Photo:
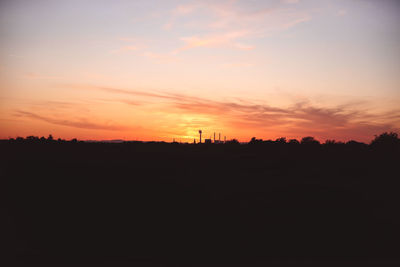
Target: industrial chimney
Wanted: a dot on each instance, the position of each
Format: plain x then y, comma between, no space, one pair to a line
200,132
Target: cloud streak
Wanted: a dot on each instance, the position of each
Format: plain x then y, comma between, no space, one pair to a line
37,76
224,24
82,123
226,39
301,117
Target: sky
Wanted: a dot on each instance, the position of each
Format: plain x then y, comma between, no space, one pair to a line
162,70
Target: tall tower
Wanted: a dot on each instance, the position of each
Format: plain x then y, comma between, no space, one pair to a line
214,137
200,132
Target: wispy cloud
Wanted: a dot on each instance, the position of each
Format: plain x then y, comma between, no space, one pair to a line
296,21
226,39
302,117
237,65
78,123
290,1
37,76
185,9
228,24
59,106
129,44
161,57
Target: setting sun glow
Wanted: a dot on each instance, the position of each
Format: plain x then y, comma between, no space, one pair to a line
162,70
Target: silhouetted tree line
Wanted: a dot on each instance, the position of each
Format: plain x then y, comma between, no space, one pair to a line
36,139
384,140
172,204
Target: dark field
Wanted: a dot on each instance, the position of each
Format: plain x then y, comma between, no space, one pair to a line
157,204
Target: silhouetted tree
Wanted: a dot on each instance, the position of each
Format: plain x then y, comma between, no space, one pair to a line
50,138
32,138
353,143
330,142
293,142
281,140
386,140
309,140
233,142
255,141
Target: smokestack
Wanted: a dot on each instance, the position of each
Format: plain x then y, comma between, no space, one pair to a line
200,135
219,137
224,139
214,137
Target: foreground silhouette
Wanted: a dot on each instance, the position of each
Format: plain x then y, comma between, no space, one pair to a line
153,204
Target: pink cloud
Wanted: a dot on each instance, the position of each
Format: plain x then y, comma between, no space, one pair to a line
227,39
227,24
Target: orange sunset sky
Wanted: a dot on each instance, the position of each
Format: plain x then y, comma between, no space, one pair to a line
158,70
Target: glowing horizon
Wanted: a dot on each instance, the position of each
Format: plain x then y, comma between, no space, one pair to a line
162,70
